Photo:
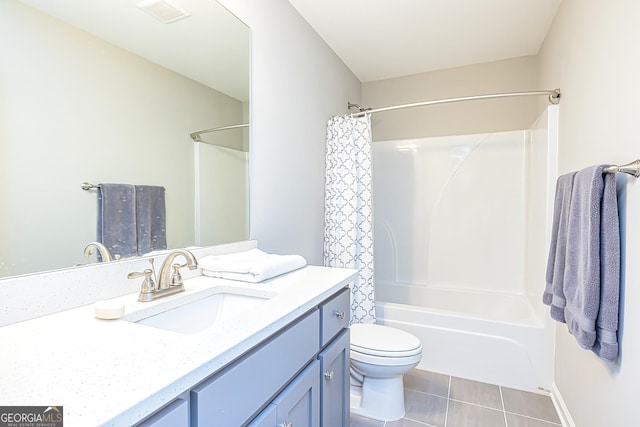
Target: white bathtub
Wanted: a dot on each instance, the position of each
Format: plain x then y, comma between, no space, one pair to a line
461,231
493,338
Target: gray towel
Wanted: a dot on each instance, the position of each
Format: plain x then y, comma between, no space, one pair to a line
150,218
585,276
117,219
554,290
606,345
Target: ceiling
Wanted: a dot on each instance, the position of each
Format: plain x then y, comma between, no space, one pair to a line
211,46
381,39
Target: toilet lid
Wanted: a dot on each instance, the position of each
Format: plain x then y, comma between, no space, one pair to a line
382,340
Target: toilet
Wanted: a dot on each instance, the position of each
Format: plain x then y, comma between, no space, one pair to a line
380,356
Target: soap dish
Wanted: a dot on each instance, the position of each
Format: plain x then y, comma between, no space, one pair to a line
109,309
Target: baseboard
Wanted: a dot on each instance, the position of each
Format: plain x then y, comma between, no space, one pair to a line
561,407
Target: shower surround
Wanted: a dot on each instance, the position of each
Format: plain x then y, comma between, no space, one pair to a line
461,230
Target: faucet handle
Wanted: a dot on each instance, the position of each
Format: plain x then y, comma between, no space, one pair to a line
148,285
176,277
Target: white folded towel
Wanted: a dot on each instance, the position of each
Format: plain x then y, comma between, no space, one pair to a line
250,266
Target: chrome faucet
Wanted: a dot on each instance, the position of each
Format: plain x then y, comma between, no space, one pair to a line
105,255
168,283
165,278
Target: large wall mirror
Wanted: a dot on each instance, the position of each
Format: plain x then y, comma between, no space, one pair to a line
104,91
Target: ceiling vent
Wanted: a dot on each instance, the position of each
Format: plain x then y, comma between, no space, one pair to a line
162,10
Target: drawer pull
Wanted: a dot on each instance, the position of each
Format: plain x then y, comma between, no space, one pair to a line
340,314
328,375
286,425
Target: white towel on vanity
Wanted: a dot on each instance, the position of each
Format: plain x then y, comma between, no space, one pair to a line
250,266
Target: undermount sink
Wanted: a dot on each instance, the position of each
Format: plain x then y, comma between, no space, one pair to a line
195,316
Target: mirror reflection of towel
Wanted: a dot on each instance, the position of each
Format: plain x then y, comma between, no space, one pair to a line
117,219
131,219
150,218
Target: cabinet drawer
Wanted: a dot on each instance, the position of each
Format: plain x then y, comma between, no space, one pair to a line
334,315
233,396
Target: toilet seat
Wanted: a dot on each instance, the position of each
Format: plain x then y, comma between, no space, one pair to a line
380,356
383,341
384,360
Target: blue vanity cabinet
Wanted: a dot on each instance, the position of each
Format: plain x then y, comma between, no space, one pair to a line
232,397
175,414
334,360
319,396
298,377
267,418
299,404
335,382
334,316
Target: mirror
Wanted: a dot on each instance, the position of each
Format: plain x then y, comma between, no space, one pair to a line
102,91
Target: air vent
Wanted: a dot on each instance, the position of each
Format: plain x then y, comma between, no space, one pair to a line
162,10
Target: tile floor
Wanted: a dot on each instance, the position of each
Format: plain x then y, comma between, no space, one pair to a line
438,400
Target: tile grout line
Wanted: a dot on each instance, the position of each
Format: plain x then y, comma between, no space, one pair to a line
478,405
446,412
504,409
534,418
422,423
450,399
427,393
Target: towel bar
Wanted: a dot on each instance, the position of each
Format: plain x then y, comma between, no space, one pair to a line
632,168
87,186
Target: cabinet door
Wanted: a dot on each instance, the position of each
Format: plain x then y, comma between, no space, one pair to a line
334,383
299,404
266,418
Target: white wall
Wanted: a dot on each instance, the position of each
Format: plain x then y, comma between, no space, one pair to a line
297,83
75,108
591,52
510,75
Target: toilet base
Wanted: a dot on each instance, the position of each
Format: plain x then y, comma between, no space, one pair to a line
379,398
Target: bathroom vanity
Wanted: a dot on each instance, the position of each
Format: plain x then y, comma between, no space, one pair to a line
283,362
305,366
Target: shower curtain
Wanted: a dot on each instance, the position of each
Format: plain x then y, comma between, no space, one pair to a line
348,225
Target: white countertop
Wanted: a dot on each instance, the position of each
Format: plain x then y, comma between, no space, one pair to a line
115,372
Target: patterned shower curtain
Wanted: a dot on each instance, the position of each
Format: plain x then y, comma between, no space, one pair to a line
348,213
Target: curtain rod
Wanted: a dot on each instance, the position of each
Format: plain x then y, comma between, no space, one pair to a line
196,135
554,98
